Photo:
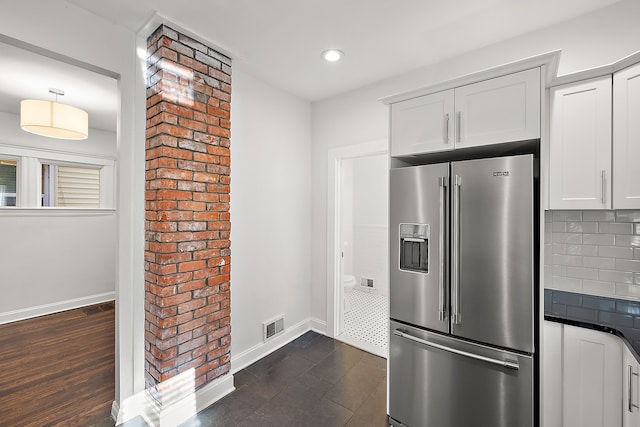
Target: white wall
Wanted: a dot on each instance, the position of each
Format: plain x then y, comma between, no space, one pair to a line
56,260
270,209
588,41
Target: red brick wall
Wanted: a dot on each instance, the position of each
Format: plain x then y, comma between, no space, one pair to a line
187,255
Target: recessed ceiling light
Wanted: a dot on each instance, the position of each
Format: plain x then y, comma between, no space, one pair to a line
332,55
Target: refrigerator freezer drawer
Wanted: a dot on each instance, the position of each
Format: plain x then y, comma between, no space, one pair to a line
436,380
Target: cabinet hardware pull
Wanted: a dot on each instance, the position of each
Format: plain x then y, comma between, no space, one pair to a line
446,128
511,364
458,126
604,187
630,389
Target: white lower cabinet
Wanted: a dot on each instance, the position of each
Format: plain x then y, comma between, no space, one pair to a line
586,379
592,378
631,390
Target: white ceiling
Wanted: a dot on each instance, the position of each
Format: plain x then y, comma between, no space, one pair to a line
280,41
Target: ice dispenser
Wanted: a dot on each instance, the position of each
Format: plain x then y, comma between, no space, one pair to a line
414,247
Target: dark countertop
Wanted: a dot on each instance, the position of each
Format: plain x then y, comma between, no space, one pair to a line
611,315
594,326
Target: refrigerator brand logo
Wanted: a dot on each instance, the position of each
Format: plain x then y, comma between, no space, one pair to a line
501,173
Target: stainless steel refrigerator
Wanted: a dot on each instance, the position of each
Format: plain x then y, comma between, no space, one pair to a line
462,302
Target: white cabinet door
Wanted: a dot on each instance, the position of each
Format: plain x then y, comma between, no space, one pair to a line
503,109
631,390
592,366
626,138
422,125
580,145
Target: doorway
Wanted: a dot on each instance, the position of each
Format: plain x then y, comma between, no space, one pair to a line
359,248
58,212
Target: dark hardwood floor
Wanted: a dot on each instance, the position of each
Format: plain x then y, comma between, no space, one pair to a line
58,370
314,381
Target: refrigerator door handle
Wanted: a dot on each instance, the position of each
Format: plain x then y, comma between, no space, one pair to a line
455,254
510,364
442,307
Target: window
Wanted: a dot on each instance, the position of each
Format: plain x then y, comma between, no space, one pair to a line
70,186
8,181
36,178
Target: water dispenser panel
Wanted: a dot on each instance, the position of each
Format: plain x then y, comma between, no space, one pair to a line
414,247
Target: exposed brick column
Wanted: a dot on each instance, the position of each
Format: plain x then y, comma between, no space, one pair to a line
187,255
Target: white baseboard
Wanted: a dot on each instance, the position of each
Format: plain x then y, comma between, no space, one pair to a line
258,351
155,414
319,326
115,410
56,307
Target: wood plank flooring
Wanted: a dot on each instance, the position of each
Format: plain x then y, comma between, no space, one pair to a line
58,370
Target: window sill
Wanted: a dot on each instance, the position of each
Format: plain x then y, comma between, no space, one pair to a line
54,211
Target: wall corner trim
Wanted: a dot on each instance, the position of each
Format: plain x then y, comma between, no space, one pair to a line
157,19
319,326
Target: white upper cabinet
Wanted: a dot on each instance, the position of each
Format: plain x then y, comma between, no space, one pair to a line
592,369
626,138
499,110
423,124
580,145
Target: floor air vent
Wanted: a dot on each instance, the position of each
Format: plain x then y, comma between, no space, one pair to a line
272,328
98,308
366,282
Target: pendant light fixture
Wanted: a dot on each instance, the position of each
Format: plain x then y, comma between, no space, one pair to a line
52,119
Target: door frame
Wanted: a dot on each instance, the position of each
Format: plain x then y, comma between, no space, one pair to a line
334,179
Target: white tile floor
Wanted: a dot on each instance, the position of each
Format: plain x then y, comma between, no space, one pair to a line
366,321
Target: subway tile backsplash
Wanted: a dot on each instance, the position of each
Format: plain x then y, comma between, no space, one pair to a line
593,252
